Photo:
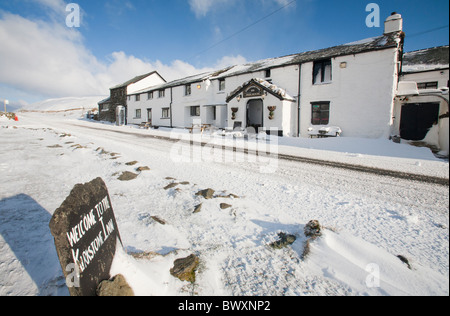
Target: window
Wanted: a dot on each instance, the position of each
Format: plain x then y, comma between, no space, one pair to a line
195,110
322,71
320,113
268,73
221,84
161,93
427,85
150,95
165,113
138,114
187,90
138,97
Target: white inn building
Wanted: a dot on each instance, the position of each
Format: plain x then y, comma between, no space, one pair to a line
351,88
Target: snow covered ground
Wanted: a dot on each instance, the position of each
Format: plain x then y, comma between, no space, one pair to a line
369,220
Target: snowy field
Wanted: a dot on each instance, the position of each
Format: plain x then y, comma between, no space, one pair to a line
369,220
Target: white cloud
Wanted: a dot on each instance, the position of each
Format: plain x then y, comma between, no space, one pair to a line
57,6
38,56
51,60
201,8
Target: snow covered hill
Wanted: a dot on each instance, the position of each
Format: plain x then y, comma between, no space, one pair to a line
65,104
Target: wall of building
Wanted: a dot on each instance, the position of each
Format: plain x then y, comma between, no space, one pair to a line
150,81
441,76
361,94
118,97
439,134
361,98
156,104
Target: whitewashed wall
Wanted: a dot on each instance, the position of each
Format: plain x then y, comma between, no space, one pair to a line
150,81
156,104
361,98
441,76
361,95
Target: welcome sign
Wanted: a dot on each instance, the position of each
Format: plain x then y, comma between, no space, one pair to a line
86,233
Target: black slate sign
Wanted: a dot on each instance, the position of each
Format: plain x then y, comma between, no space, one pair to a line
86,234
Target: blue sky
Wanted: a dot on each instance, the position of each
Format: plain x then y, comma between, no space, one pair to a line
40,57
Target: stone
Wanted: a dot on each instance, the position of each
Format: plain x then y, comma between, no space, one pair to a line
313,229
184,269
224,206
170,186
158,220
118,286
86,236
405,261
132,163
207,194
143,168
285,240
198,208
127,176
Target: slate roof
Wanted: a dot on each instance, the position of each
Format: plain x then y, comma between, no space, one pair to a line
390,40
435,58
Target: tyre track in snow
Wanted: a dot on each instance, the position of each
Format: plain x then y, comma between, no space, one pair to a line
332,164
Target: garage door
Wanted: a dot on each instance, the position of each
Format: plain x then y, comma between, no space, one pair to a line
417,119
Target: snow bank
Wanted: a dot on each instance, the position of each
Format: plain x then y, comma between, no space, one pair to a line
370,270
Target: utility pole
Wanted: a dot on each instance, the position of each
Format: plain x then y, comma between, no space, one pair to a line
5,103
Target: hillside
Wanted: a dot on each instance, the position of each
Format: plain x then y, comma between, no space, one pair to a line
64,104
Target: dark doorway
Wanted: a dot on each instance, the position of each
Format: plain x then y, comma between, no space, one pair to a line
417,119
255,114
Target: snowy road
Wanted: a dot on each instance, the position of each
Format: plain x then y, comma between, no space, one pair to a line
371,218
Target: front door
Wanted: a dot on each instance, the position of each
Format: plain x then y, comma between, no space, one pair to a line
149,116
417,120
255,115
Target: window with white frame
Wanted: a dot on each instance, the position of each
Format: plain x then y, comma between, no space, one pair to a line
320,113
138,113
221,84
165,113
195,110
427,85
187,90
150,95
161,93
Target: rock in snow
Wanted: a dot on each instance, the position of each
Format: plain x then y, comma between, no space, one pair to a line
285,240
184,268
313,229
118,286
207,194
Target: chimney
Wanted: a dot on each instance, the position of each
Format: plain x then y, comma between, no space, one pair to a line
394,23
